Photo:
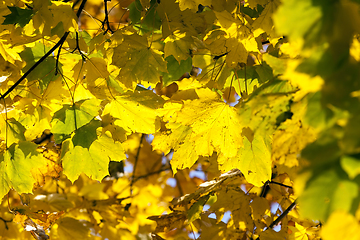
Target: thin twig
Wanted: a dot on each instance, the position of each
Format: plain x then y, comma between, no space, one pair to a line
106,20
277,221
5,222
283,185
151,173
78,47
58,44
135,163
286,212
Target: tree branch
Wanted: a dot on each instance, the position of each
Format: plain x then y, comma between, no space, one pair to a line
58,44
106,20
286,212
276,222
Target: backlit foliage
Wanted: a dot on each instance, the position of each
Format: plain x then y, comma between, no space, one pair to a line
180,119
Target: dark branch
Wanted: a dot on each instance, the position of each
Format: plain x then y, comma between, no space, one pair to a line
78,47
283,185
58,44
276,222
106,20
286,212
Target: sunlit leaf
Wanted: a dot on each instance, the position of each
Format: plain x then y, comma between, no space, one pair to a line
16,164
135,112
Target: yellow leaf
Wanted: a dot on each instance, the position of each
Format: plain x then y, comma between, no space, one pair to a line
68,229
169,222
264,21
341,225
355,49
215,125
238,203
136,112
298,232
253,160
94,192
96,68
305,82
201,127
10,54
178,45
193,4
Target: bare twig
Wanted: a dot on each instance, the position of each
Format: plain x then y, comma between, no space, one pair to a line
106,20
151,173
277,221
286,212
283,185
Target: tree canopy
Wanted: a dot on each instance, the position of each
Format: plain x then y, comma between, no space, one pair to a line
180,119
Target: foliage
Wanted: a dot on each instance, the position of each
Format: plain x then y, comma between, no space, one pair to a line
154,119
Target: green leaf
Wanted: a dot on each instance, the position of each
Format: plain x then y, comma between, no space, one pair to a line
297,19
135,9
78,160
265,72
146,63
45,72
86,135
327,191
15,167
18,16
176,69
151,18
69,118
13,131
320,115
278,65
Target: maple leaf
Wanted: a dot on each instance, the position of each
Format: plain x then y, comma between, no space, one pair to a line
13,131
87,149
46,72
16,164
264,21
238,203
135,112
70,118
254,161
19,16
214,126
58,16
145,65
238,39
178,45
